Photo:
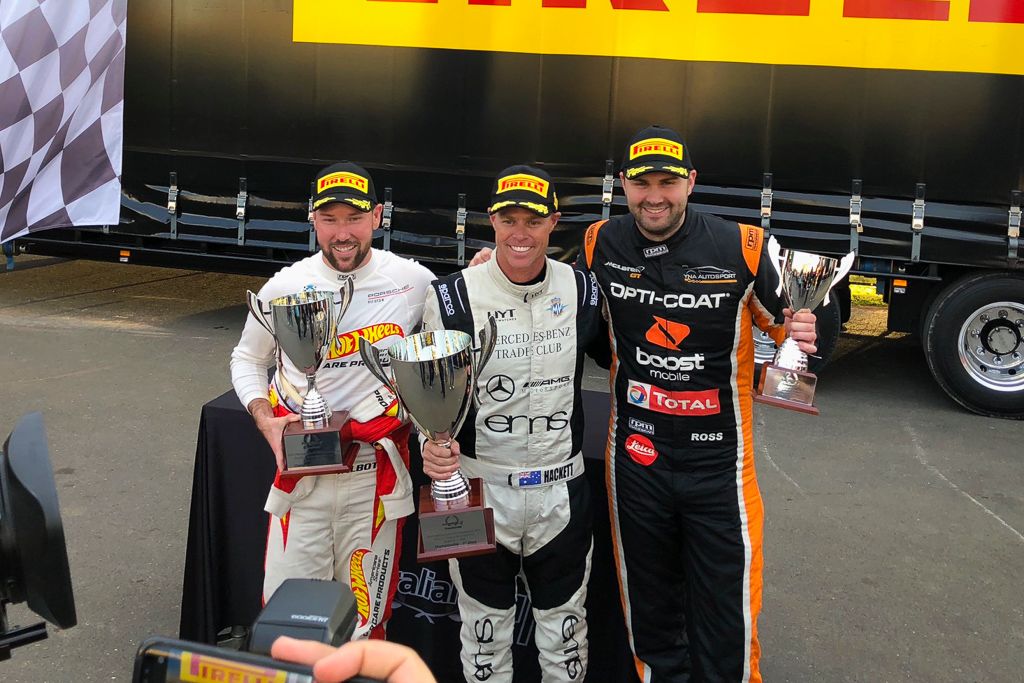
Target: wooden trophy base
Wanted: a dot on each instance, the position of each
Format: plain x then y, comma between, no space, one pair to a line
785,388
317,451
447,532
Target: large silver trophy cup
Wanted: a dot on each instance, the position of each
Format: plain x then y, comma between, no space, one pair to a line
304,325
805,281
434,376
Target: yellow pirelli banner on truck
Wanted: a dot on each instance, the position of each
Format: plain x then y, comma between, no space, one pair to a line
984,36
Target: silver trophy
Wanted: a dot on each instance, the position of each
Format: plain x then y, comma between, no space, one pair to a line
433,374
805,281
304,325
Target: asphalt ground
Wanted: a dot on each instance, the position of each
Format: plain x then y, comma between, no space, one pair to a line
894,526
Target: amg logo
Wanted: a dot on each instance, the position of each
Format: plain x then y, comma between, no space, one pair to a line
547,382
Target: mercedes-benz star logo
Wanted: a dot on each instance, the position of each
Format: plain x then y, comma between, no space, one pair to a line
500,388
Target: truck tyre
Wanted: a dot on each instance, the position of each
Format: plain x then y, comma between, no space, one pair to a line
974,343
830,321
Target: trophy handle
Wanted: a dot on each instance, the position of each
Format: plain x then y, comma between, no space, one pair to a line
776,257
343,298
844,267
369,355
488,337
256,307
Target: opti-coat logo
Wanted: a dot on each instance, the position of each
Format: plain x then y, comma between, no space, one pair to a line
342,179
641,450
358,585
523,181
647,296
196,668
658,146
658,400
857,33
347,343
668,334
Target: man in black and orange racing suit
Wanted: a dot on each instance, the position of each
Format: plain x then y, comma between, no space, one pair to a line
683,290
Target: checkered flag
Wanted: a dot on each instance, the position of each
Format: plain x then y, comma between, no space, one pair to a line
61,105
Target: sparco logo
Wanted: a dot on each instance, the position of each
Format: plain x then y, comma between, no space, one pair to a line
527,424
646,296
658,400
641,450
651,252
641,426
446,299
694,362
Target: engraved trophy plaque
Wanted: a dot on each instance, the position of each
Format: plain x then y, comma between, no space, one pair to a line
804,282
434,376
304,325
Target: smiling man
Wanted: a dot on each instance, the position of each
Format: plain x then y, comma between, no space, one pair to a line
525,438
683,290
339,526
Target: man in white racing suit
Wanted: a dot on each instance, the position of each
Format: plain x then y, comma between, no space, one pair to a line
340,526
525,439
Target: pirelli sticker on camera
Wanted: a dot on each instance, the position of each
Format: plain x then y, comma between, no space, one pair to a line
341,179
932,35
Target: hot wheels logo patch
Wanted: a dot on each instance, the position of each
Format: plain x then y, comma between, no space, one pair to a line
358,585
347,343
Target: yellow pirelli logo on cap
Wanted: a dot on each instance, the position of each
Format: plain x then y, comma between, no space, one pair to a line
659,146
342,179
523,181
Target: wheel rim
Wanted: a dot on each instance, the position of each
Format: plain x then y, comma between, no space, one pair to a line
991,346
764,347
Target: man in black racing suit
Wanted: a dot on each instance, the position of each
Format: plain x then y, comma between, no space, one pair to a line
525,439
683,290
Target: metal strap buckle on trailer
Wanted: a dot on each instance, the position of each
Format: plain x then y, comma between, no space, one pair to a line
917,223
607,186
1013,229
460,229
172,204
385,221
312,227
856,226
766,203
240,202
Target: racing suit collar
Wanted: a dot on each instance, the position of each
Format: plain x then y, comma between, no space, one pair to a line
524,292
359,274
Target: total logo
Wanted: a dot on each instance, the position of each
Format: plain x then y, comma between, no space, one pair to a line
656,399
641,450
647,296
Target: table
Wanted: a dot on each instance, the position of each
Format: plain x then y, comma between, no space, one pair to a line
227,529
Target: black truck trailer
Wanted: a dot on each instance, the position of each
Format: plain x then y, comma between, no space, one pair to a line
891,129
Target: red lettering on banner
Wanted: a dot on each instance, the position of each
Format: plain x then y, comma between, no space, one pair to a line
998,11
797,8
931,10
653,5
501,3
570,4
